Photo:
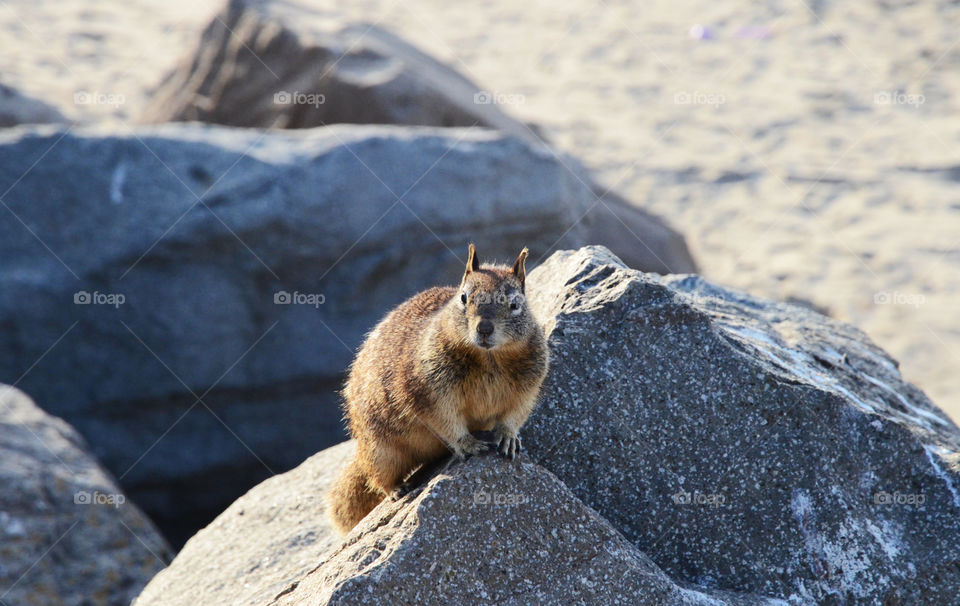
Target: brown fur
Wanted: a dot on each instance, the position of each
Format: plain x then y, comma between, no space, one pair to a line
425,378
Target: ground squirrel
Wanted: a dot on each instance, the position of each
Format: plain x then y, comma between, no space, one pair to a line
444,363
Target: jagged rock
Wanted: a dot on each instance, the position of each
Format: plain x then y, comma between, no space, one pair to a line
68,535
178,295
742,444
487,531
293,65
266,540
931,587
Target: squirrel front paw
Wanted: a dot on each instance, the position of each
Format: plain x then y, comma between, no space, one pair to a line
468,446
508,442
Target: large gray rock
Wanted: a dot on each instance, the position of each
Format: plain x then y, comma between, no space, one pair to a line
266,540
295,65
487,531
743,444
68,535
314,212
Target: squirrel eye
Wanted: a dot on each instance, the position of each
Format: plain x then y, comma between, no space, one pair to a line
514,305
463,298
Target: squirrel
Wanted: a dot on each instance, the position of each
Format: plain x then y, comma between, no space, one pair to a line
446,362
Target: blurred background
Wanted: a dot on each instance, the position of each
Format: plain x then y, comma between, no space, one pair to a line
799,150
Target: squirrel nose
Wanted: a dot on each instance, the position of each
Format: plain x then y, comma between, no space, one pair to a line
485,328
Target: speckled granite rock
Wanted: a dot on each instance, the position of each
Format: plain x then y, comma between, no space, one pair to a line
68,535
269,538
740,443
487,531
491,532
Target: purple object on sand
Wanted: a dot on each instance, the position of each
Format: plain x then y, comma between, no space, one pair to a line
700,32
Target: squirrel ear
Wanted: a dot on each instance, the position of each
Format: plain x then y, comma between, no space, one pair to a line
519,266
473,262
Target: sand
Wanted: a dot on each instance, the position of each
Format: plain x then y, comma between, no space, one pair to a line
806,149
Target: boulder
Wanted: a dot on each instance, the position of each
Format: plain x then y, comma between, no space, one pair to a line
743,444
265,541
68,534
487,531
294,65
207,286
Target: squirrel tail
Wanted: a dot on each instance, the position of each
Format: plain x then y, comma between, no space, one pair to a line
351,498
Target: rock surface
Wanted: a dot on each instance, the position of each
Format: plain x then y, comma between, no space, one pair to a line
68,536
293,65
205,287
267,539
528,541
742,444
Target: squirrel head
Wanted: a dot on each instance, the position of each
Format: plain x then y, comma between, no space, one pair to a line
490,308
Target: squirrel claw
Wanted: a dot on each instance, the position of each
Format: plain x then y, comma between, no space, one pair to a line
468,446
510,446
